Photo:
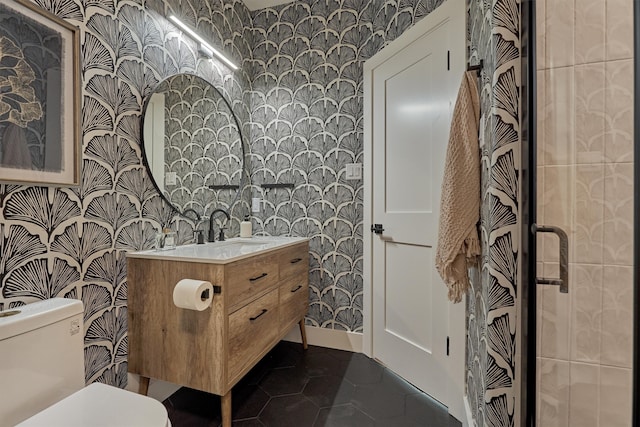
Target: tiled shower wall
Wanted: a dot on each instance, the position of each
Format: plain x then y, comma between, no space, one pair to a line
585,185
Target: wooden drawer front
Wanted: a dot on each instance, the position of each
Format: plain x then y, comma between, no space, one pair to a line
251,331
250,278
294,302
294,262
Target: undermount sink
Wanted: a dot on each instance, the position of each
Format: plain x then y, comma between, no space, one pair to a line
229,247
239,241
220,252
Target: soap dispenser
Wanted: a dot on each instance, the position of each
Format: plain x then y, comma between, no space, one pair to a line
245,227
199,237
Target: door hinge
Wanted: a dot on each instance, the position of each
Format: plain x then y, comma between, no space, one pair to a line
447,346
448,60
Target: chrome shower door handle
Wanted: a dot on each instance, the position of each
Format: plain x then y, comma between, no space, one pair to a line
563,281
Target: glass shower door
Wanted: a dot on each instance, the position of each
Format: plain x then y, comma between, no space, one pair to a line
584,172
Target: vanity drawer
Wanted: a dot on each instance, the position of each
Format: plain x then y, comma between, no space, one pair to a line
252,330
294,302
294,262
250,278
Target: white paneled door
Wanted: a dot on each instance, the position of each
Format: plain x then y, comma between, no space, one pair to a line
412,91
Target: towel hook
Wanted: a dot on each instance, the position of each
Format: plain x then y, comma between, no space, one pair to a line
477,67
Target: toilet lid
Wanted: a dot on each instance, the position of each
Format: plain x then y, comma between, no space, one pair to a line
100,405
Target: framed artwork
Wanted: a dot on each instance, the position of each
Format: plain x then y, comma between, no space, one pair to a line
39,96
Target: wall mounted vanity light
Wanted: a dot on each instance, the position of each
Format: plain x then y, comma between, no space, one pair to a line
204,47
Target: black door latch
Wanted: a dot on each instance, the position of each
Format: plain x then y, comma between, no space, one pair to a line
377,228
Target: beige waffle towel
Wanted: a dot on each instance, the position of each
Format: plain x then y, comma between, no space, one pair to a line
458,241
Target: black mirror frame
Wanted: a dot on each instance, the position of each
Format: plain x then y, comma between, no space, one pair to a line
145,160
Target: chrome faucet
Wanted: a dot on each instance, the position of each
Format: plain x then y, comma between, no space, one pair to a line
212,235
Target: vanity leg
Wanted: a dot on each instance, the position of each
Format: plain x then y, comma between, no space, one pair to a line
226,409
303,334
143,387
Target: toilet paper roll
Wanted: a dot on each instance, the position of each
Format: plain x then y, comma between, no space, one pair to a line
193,294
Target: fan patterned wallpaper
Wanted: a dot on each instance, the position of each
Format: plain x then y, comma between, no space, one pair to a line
71,242
299,102
307,124
494,35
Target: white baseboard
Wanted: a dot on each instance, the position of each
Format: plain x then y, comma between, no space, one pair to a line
331,338
158,390
467,408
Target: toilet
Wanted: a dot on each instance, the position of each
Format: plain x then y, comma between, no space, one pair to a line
42,374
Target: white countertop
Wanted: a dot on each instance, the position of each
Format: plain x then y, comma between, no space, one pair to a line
220,252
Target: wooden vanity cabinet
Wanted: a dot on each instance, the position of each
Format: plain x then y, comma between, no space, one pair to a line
260,299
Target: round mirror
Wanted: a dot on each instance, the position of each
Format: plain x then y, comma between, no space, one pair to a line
193,145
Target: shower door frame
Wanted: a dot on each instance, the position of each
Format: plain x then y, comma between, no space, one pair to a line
528,295
635,401
528,291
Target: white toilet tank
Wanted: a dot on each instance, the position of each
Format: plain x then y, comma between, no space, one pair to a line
41,356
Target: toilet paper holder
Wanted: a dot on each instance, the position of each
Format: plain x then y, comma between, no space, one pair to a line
205,294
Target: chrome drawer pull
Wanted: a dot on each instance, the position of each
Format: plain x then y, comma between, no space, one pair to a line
296,289
253,279
296,260
264,310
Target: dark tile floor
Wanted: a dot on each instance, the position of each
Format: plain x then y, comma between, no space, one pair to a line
291,387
